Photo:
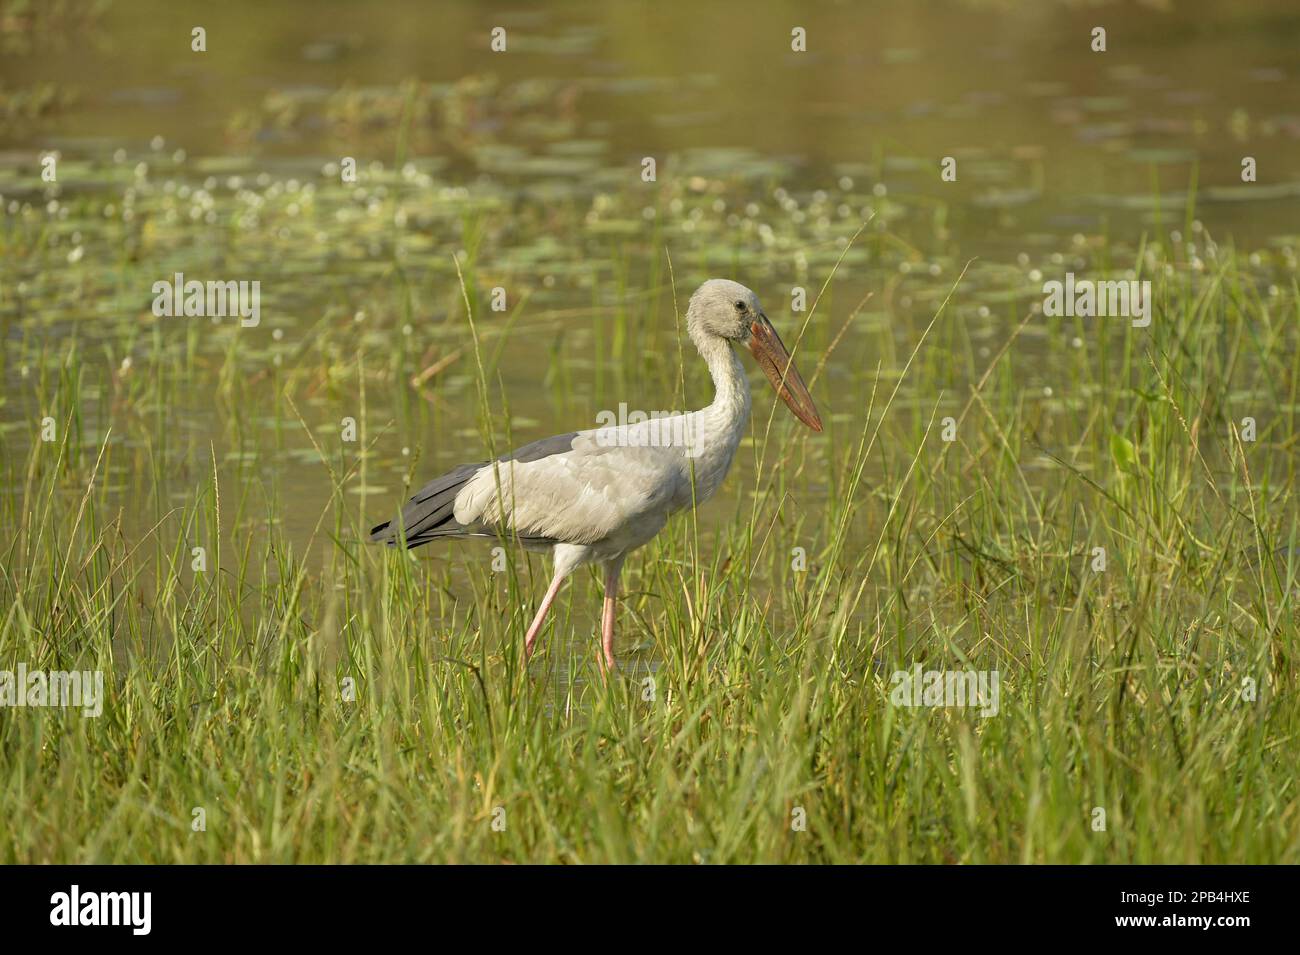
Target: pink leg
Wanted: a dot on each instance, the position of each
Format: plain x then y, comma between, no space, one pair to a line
607,616
536,626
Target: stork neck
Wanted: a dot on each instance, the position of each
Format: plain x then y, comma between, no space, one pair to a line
730,387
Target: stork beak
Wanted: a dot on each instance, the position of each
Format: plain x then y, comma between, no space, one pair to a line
771,354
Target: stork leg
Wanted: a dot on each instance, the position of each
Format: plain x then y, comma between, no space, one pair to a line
536,626
612,569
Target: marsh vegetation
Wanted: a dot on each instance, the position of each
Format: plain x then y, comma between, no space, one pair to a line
1075,503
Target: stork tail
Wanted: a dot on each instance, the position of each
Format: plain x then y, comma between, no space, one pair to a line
428,515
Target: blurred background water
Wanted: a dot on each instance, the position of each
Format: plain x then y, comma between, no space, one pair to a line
225,165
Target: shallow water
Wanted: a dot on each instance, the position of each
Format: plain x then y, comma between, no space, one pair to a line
225,165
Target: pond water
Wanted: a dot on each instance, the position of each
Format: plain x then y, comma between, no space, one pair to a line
528,164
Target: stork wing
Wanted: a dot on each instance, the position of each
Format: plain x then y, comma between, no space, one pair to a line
579,496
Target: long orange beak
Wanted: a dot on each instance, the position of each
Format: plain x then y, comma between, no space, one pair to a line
771,354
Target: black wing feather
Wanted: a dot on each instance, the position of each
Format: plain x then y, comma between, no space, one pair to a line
428,515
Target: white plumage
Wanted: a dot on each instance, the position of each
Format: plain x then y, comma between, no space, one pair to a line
597,495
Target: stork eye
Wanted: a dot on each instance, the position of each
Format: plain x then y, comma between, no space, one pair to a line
740,306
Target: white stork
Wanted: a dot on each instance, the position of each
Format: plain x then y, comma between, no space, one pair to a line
597,495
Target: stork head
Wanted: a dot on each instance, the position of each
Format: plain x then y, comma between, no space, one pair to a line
724,310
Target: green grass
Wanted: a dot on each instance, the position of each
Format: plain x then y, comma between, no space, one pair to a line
751,688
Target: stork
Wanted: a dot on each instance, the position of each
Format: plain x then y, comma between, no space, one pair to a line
595,496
